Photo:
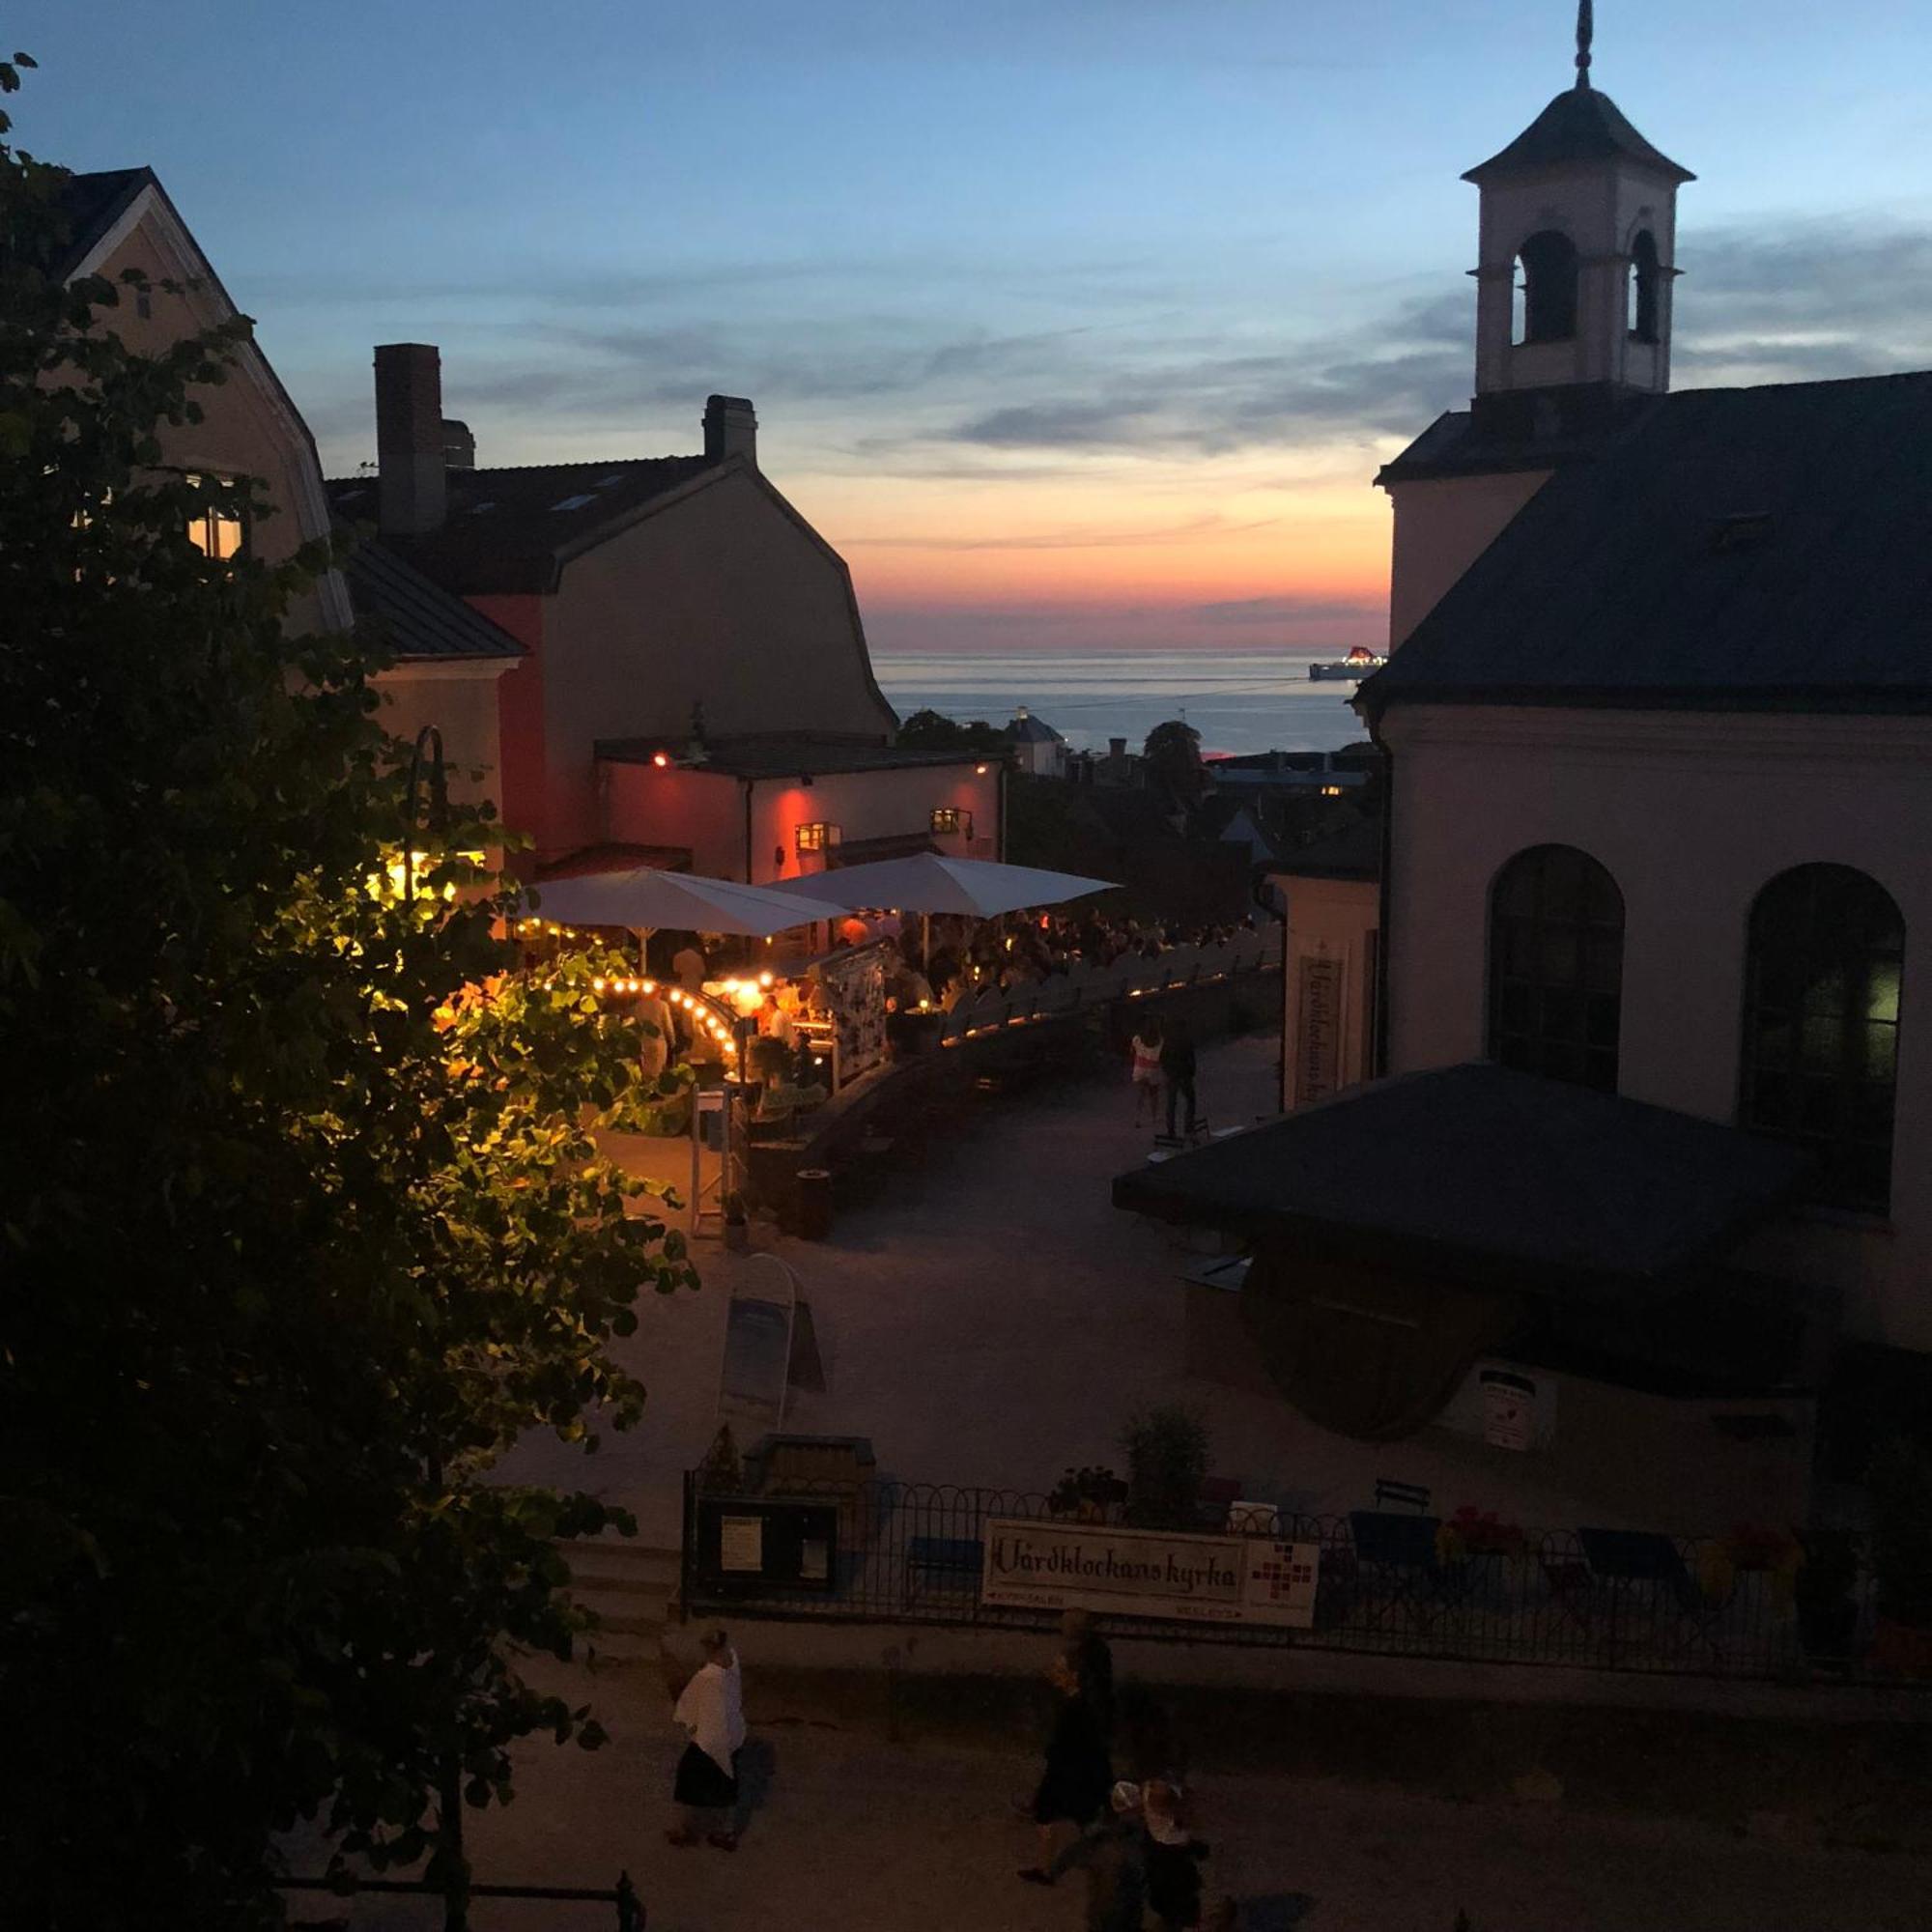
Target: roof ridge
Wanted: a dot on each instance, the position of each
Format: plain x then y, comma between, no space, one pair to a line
530,469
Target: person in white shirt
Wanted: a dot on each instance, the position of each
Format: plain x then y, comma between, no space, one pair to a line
712,1708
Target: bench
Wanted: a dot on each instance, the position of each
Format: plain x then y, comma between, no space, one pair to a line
945,1558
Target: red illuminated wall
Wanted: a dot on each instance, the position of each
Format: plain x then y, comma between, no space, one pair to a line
519,716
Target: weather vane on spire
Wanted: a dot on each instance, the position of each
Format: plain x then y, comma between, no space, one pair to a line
1586,29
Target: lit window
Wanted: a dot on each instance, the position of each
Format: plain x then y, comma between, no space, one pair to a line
1556,967
1331,791
945,819
216,533
1823,961
818,835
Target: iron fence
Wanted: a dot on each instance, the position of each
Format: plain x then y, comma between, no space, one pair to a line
898,1553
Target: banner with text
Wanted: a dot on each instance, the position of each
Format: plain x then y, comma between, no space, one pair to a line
1043,1564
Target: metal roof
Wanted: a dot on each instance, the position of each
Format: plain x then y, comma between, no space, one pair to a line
421,621
1760,548
1480,1175
1580,126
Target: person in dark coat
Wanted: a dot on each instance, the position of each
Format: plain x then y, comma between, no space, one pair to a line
1177,1070
1113,1854
1079,1766
1174,1856
1093,1661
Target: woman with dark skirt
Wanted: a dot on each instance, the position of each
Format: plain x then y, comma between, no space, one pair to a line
1079,1766
712,1708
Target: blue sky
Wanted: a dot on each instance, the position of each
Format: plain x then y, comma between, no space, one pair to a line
1079,320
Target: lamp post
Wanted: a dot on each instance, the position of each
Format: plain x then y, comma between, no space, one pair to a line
426,761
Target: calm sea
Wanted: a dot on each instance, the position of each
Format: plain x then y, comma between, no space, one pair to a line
1255,702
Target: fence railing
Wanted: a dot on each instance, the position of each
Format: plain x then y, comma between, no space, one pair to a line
1609,1599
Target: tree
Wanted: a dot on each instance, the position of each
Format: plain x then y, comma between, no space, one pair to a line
1173,755
931,730
301,1209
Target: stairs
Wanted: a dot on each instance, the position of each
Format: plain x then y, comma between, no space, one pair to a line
632,1586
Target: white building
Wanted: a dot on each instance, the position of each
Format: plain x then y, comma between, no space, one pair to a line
1655,899
1038,750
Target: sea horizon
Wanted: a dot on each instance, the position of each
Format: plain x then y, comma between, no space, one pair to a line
1240,702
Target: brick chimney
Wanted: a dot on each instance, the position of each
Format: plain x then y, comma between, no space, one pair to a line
731,429
410,458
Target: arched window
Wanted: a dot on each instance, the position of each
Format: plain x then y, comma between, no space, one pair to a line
1823,968
1643,275
1556,966
1549,263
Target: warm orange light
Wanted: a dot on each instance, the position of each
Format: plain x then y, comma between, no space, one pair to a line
980,769
660,759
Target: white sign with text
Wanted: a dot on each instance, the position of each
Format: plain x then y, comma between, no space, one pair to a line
1044,1564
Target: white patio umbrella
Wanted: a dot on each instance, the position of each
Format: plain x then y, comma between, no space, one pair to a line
647,899
927,883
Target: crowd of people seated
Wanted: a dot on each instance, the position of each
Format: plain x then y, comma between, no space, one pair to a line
973,954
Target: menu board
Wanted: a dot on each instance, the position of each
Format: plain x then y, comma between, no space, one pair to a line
855,995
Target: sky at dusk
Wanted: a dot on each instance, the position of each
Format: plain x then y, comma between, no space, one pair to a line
1073,324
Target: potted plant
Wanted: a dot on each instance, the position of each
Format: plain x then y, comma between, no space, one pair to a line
1167,1465
1089,1494
737,1223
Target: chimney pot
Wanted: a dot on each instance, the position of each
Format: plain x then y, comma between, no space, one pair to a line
731,429
409,453
459,446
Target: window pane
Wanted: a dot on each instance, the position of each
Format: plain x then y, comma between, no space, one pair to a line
1556,966
1827,941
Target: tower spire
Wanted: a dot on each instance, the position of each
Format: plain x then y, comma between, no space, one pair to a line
1586,29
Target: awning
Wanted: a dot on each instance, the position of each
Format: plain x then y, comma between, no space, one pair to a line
1405,1230
1486,1178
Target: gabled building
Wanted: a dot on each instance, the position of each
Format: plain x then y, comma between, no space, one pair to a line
449,656
1038,750
1653,897
696,688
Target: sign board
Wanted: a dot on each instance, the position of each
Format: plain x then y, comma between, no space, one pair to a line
1041,1563
1509,1409
751,1543
1317,1033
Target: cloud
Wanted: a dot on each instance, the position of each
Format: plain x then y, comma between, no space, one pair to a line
1285,609
911,365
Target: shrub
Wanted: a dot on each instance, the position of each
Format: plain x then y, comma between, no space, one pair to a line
1167,1463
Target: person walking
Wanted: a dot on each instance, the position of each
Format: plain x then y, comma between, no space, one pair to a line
1114,1854
712,1707
1174,1856
1093,1660
1145,1052
1079,1767
1177,1070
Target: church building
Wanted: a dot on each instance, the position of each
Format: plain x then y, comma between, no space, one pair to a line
1655,1110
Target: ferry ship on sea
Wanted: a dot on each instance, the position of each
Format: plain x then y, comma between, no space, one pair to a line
1358,663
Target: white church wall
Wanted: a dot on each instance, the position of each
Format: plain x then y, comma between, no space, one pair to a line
1693,813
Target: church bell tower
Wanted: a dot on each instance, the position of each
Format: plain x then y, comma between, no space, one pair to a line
1579,233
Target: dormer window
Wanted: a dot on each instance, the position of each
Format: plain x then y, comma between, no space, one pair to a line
1547,262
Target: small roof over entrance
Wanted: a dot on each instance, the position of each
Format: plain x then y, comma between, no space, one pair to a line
1403,1230
1487,1178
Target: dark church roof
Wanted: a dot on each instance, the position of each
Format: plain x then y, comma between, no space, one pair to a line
512,529
420,621
1761,549
1579,126
1484,1176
